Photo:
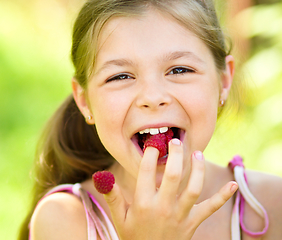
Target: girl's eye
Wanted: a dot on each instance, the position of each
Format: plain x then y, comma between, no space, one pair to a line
119,77
181,70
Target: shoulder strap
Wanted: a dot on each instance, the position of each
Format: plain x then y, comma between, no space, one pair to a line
243,195
94,223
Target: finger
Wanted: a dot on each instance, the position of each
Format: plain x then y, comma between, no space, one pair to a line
116,204
173,172
206,208
195,184
146,181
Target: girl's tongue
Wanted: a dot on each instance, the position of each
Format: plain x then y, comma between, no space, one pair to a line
159,141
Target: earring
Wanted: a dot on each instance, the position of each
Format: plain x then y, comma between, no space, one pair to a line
222,103
88,118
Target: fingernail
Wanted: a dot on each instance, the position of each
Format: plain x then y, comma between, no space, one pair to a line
175,141
199,155
234,187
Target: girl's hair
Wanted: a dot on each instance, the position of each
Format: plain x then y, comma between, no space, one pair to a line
70,151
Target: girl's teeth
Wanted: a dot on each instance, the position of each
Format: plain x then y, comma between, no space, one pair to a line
154,131
163,129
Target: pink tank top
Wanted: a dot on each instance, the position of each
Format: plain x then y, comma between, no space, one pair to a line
103,227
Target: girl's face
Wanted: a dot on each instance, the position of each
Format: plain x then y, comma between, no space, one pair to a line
151,72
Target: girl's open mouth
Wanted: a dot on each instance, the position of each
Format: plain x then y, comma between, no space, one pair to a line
158,138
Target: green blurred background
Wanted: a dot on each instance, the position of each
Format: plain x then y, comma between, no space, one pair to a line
35,73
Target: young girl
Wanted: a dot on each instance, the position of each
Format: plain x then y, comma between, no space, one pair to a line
147,67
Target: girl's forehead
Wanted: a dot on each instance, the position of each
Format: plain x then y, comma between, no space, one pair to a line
152,31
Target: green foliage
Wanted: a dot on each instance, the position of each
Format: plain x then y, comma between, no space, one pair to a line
257,134
265,66
35,74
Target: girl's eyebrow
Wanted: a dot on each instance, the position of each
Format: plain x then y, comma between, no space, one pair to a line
115,62
166,58
183,54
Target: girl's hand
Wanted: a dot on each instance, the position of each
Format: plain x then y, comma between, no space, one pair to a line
162,214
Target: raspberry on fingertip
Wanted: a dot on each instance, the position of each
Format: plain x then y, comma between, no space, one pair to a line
103,181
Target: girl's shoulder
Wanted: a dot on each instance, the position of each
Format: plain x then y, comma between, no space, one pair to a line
57,216
267,189
264,182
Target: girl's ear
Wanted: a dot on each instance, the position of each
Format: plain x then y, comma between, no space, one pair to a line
80,98
227,77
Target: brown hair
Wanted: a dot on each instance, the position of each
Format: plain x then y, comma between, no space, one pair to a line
70,151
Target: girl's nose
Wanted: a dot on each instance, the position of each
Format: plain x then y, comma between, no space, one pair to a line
153,95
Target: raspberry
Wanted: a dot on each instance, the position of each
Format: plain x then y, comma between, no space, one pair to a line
158,137
158,141
103,181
